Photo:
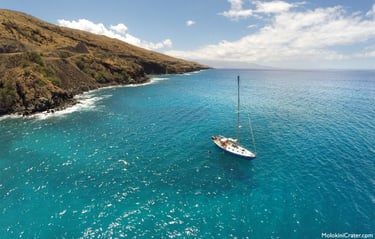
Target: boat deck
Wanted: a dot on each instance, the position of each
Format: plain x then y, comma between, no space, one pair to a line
231,146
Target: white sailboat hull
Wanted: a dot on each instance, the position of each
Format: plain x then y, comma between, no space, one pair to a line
231,146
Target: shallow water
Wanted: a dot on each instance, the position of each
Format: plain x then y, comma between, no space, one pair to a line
139,161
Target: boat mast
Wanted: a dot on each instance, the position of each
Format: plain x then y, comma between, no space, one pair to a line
238,107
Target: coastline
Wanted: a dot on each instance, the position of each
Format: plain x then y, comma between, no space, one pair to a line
68,102
40,74
79,100
84,100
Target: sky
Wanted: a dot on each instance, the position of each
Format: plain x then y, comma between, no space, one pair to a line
311,34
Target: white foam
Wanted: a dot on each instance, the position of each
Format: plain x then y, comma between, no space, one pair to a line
193,72
11,116
85,101
150,82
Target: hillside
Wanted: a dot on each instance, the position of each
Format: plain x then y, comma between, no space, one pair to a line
42,66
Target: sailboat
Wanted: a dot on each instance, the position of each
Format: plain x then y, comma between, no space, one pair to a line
232,145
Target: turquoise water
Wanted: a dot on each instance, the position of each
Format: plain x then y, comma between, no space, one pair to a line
138,162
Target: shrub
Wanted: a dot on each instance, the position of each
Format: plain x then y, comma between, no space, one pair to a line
54,80
121,77
101,78
80,64
8,94
37,58
64,54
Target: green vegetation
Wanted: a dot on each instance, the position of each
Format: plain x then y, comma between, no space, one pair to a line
41,64
80,64
122,77
64,54
8,95
36,58
48,74
101,78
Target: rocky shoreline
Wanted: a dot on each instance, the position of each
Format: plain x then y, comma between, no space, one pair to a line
43,66
46,107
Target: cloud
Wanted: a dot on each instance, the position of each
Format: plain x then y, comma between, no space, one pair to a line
190,23
120,28
371,12
119,31
252,26
237,11
295,37
272,7
368,52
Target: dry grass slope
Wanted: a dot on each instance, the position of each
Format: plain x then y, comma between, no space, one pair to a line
42,66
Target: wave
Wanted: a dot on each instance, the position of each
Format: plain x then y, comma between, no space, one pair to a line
85,101
195,72
11,116
153,80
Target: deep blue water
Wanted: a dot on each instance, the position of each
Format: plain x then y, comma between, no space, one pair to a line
138,162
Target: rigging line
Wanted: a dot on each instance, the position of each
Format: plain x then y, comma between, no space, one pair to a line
252,134
238,108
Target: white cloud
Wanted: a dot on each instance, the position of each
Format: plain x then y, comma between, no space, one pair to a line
272,7
190,23
119,31
120,28
371,12
300,38
237,10
252,26
368,52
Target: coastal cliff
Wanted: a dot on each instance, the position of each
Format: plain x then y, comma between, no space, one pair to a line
42,66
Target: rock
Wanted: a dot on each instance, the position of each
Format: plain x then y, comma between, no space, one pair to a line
42,66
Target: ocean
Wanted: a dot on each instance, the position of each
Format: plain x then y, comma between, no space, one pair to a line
139,162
